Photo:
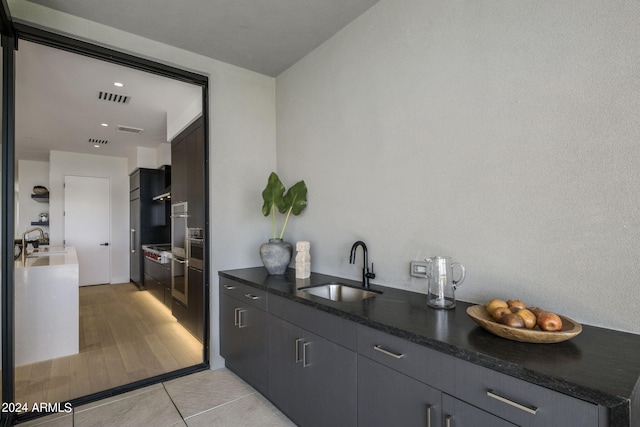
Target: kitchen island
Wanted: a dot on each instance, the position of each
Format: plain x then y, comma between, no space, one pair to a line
46,305
600,366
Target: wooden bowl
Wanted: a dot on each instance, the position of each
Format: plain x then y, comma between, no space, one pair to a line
570,328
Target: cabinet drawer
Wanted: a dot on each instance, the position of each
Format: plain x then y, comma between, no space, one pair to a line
248,294
425,365
460,414
334,328
519,401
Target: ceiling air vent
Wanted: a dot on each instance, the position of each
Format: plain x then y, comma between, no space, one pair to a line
113,97
128,129
98,141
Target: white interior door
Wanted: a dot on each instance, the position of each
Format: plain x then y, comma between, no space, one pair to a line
87,226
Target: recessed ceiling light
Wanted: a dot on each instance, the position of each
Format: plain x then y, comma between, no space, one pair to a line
104,124
96,145
118,84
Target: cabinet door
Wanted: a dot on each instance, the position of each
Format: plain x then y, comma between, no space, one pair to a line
151,283
283,358
134,180
389,398
196,285
179,170
243,341
330,382
195,177
311,379
460,414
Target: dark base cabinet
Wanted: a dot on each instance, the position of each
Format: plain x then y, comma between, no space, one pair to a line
191,315
243,341
311,379
324,370
157,280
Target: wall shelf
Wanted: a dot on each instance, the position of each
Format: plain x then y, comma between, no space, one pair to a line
41,198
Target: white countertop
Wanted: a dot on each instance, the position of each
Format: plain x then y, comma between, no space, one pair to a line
48,256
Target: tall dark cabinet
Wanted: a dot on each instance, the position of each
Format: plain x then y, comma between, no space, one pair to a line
148,219
195,176
188,163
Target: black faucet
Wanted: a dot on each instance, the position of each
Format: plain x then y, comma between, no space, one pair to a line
366,275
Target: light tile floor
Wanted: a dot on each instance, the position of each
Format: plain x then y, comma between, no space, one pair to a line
208,398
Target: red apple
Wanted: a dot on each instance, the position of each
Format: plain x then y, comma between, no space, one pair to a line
516,303
512,320
549,322
499,312
536,310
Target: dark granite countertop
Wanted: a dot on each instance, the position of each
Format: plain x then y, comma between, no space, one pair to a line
600,365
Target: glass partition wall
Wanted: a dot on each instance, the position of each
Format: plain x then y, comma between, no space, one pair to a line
77,340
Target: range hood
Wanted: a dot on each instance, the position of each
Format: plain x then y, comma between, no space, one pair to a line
165,196
166,193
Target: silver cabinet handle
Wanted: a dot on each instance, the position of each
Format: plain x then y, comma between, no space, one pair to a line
253,297
240,323
304,355
428,415
229,287
526,408
298,341
447,421
387,352
180,261
132,234
235,317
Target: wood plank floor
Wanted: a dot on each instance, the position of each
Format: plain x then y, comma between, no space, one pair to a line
125,335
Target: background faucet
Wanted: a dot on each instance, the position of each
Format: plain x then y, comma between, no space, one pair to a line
24,241
366,275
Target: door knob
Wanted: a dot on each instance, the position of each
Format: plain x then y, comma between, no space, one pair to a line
104,244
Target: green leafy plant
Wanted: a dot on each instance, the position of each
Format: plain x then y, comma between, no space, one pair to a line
293,202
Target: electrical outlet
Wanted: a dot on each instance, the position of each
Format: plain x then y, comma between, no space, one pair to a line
418,269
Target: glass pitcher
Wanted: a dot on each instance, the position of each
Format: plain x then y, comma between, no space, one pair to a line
441,284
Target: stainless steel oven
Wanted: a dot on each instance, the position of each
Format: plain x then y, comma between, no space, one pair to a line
179,253
195,243
179,214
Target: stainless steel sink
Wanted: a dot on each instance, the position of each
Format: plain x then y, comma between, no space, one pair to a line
340,292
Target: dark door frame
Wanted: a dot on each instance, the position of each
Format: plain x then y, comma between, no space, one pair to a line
6,262
11,33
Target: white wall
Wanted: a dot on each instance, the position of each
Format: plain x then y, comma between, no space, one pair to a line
179,120
241,139
163,154
144,158
502,133
30,174
149,158
115,169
